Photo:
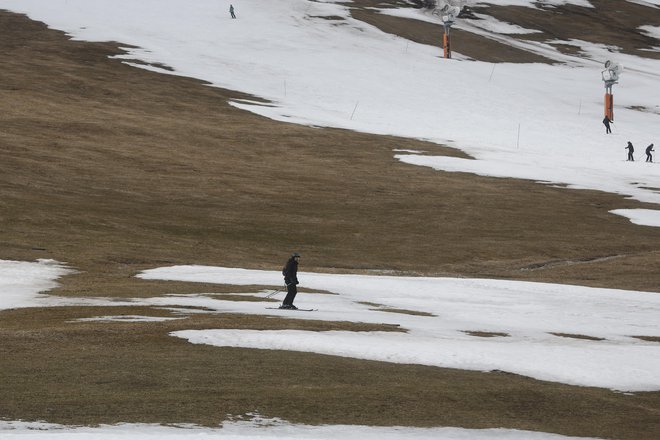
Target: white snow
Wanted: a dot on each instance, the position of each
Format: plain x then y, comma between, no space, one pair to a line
492,24
263,429
520,120
648,3
645,217
21,282
651,31
527,312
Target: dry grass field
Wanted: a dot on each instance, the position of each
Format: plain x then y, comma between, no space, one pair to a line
114,169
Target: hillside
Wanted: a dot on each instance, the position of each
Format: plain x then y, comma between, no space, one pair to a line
113,170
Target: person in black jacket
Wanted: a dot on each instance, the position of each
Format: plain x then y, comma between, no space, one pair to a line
631,150
607,122
290,273
649,156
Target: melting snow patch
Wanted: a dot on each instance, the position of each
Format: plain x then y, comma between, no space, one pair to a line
262,428
21,282
530,313
644,217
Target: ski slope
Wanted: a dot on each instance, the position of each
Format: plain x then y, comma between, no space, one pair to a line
526,319
318,66
534,121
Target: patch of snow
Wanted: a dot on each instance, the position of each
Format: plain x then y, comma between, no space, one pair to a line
651,31
528,312
648,3
261,428
494,25
22,282
644,217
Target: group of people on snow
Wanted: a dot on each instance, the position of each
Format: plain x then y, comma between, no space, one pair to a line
649,157
631,150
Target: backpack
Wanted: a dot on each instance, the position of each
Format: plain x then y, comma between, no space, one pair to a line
284,271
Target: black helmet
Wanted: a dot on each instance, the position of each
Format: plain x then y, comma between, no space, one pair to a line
295,254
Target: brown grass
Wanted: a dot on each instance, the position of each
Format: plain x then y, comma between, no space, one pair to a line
90,373
404,312
115,170
648,338
610,22
482,334
383,308
577,336
466,43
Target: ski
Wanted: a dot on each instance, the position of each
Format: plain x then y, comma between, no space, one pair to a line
295,310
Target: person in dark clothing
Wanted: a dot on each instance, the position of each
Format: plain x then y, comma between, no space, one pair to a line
631,150
231,11
649,156
607,123
290,273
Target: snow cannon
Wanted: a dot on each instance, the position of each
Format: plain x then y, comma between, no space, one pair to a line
448,14
610,77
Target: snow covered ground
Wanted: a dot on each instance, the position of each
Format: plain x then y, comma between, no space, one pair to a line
523,314
521,317
529,315
262,429
22,283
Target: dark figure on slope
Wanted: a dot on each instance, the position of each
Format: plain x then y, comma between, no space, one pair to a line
649,156
231,11
607,123
290,273
631,150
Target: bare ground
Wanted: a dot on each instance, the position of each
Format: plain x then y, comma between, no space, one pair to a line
55,368
115,169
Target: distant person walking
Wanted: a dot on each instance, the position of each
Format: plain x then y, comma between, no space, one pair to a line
631,150
607,122
649,156
290,273
231,11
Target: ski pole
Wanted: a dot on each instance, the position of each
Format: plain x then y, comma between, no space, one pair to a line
273,293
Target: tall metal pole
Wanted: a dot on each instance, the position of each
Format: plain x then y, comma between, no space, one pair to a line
609,102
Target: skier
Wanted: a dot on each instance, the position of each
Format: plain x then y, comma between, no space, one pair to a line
290,273
631,150
649,157
231,11
607,122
